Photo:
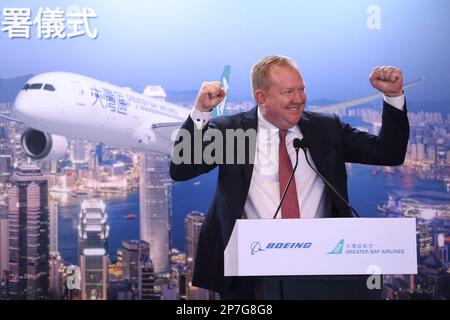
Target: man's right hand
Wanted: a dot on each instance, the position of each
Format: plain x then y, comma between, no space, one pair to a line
210,96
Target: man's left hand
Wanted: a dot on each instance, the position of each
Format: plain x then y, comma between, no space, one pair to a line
388,80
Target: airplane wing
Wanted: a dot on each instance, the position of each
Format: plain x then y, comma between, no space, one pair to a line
2,116
355,102
165,131
173,125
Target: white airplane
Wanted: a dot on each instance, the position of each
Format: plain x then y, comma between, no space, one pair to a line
58,106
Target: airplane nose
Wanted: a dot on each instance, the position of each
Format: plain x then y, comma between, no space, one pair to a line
23,106
20,104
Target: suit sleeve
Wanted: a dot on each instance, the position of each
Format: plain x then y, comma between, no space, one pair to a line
187,159
387,149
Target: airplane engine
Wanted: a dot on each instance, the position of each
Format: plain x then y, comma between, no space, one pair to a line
40,145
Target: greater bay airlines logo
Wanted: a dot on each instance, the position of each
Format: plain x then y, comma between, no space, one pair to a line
256,246
363,249
338,248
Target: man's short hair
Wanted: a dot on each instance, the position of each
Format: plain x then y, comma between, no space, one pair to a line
260,73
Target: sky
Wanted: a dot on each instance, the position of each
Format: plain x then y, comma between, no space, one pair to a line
181,43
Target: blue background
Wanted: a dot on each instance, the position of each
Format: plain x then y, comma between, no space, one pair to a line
178,44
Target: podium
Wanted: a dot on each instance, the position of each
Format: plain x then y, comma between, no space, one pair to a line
326,251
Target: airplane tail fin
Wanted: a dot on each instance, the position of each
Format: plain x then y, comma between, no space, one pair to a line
225,79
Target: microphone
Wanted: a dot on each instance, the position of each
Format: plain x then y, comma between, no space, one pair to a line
298,144
304,147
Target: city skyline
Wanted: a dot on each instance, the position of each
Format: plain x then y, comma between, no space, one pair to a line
428,151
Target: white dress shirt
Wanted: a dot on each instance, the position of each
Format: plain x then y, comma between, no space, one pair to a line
264,193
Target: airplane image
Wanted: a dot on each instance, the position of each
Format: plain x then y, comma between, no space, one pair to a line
59,106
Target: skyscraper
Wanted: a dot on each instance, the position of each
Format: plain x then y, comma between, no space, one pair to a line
93,161
5,164
192,225
414,152
420,151
155,196
56,276
4,243
5,158
18,156
132,252
28,234
93,232
424,238
431,153
180,278
53,229
78,152
441,249
146,280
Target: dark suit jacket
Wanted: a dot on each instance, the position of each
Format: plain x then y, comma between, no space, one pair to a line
331,144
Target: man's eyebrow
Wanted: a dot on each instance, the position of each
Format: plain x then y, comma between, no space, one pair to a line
293,88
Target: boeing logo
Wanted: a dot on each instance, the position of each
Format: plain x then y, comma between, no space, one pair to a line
256,247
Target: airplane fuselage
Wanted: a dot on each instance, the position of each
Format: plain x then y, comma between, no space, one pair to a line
80,107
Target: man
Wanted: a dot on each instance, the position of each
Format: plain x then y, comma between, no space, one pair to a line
252,189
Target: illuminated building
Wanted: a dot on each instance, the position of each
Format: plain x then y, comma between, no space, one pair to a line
192,225
155,196
93,232
28,235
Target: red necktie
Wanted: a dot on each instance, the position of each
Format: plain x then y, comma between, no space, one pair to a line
289,208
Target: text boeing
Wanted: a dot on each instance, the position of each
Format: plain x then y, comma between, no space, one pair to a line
256,246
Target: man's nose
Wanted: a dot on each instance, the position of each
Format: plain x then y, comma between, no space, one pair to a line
299,97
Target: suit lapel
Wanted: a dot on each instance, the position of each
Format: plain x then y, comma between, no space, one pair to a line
249,121
317,147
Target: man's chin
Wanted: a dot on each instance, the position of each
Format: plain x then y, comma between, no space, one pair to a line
294,120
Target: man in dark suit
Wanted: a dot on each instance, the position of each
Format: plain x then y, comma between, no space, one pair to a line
252,178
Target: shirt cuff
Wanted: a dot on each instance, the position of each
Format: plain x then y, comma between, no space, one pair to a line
200,119
396,102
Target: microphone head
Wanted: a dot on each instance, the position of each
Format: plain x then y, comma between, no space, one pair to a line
299,144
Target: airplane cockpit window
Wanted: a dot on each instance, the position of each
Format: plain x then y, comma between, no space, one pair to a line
38,86
33,86
49,87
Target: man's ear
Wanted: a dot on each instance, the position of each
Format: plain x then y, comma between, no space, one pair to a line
260,97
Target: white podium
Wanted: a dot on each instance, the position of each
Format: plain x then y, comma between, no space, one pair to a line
334,246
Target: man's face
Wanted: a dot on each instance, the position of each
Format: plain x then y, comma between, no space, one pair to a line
283,102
